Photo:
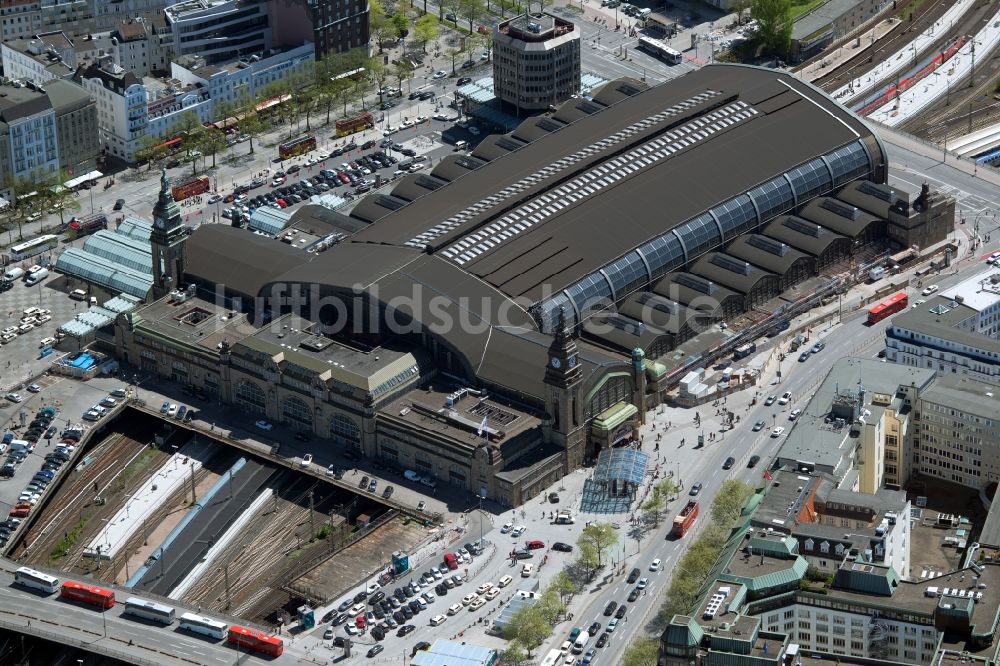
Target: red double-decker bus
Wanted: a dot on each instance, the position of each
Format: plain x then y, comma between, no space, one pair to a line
685,519
354,124
190,188
890,306
245,637
302,144
88,594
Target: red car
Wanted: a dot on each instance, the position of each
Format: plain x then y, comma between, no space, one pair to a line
282,203
360,622
535,545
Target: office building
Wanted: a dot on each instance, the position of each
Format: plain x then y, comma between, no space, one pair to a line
536,61
219,30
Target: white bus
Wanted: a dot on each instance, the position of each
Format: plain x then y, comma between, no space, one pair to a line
32,247
660,50
203,625
149,610
36,579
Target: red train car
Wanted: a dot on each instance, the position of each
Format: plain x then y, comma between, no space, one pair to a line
88,594
245,637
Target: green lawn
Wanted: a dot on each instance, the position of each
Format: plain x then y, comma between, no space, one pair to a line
800,9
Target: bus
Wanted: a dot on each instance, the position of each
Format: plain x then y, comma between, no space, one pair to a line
203,625
685,519
33,247
660,50
297,146
255,640
149,610
358,123
353,74
36,579
890,306
189,187
88,594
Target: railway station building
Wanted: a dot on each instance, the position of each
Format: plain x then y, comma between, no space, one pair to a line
501,319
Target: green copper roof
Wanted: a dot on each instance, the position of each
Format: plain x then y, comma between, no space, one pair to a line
614,416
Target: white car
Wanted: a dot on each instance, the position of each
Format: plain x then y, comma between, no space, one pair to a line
306,460
505,581
492,594
440,74
331,470
778,432
469,598
484,588
527,570
443,117
993,257
477,604
518,531
10,330
655,565
356,609
263,425
454,609
14,397
507,527
929,290
373,588
785,398
171,411
794,414
406,124
25,327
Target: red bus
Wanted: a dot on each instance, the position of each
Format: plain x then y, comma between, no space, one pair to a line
685,519
255,640
297,146
88,224
190,188
354,124
88,594
888,307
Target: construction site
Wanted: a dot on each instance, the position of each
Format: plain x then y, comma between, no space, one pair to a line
174,514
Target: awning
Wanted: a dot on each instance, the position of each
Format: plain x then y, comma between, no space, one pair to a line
614,416
80,180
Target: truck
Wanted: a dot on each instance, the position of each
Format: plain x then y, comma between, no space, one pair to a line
744,350
876,274
451,561
553,658
685,519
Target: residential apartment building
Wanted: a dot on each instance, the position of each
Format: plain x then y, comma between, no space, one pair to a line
40,58
236,82
219,30
20,19
958,432
143,46
337,25
536,61
76,119
955,332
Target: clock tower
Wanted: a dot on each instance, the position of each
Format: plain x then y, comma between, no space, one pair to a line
167,242
563,377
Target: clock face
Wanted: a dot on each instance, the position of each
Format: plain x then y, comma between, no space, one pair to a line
554,362
571,361
159,223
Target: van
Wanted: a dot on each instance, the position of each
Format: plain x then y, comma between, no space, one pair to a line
78,294
461,144
404,165
37,277
14,273
876,274
30,312
581,642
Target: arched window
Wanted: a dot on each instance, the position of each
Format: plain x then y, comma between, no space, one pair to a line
296,412
344,431
251,398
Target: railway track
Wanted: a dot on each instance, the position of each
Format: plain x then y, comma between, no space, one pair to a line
965,109
892,42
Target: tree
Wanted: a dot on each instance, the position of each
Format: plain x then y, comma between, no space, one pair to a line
587,559
550,606
252,125
189,125
401,24
642,651
403,71
600,536
151,151
655,504
729,502
344,91
212,142
58,197
514,655
379,75
563,585
472,11
426,30
380,25
528,627
775,25
740,7
23,202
